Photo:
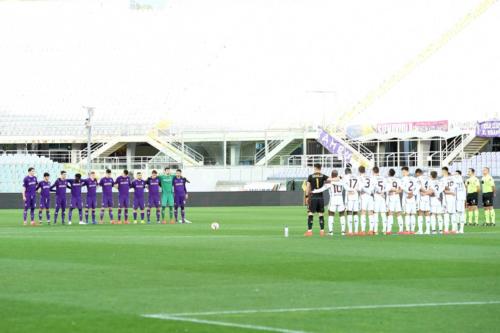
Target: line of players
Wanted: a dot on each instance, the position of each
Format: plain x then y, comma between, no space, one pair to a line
358,199
171,188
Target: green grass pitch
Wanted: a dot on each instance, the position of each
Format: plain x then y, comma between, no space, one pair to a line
105,278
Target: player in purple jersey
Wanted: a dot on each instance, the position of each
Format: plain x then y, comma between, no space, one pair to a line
91,202
76,197
123,184
44,187
107,184
180,194
29,195
138,184
153,183
60,186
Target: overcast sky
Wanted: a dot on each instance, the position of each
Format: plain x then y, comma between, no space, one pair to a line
247,64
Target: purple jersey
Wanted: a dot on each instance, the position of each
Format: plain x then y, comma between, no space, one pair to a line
180,186
138,185
60,185
30,185
91,187
44,187
153,186
107,186
123,185
76,188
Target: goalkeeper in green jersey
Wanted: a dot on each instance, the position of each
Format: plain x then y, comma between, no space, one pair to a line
167,194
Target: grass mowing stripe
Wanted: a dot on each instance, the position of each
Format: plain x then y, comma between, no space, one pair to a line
331,308
222,323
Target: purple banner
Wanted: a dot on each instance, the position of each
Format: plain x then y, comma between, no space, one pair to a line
334,146
488,129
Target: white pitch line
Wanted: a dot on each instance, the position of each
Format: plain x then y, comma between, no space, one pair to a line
222,323
328,308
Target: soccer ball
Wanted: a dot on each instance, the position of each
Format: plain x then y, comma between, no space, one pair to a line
214,226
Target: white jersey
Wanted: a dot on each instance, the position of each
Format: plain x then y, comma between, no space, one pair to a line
450,199
461,192
367,187
437,188
424,203
351,187
336,191
393,198
381,188
409,185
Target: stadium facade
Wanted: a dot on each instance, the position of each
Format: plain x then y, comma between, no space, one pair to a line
233,160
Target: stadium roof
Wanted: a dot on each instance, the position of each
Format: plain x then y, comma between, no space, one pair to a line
254,64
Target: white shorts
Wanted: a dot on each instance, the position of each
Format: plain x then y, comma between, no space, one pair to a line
366,202
379,205
451,204
460,206
436,207
410,206
353,205
394,203
336,204
425,203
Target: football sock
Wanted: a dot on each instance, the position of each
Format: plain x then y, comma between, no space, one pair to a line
176,213
40,215
412,223
63,212
400,223
142,215
349,224
492,216
454,222
87,215
440,222
342,224
309,221
163,212
363,222
356,223
93,215
70,214
125,213
135,215
373,222
330,223
420,222
25,215
476,216
119,214
32,214
384,222
322,223
427,223
56,213
433,223
80,215
101,214
171,212
407,222
487,216
111,214
148,214
157,215
446,221
47,214
390,222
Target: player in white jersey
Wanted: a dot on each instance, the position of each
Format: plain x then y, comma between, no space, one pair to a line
461,197
379,201
410,188
394,201
366,189
436,187
336,189
352,201
450,201
424,204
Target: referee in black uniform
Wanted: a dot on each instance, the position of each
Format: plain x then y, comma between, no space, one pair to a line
314,201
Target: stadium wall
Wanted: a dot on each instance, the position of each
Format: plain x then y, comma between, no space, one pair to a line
196,199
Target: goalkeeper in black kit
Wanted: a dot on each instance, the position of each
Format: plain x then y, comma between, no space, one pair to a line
315,201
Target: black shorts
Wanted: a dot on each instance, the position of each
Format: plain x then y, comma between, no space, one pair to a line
316,205
488,199
472,199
